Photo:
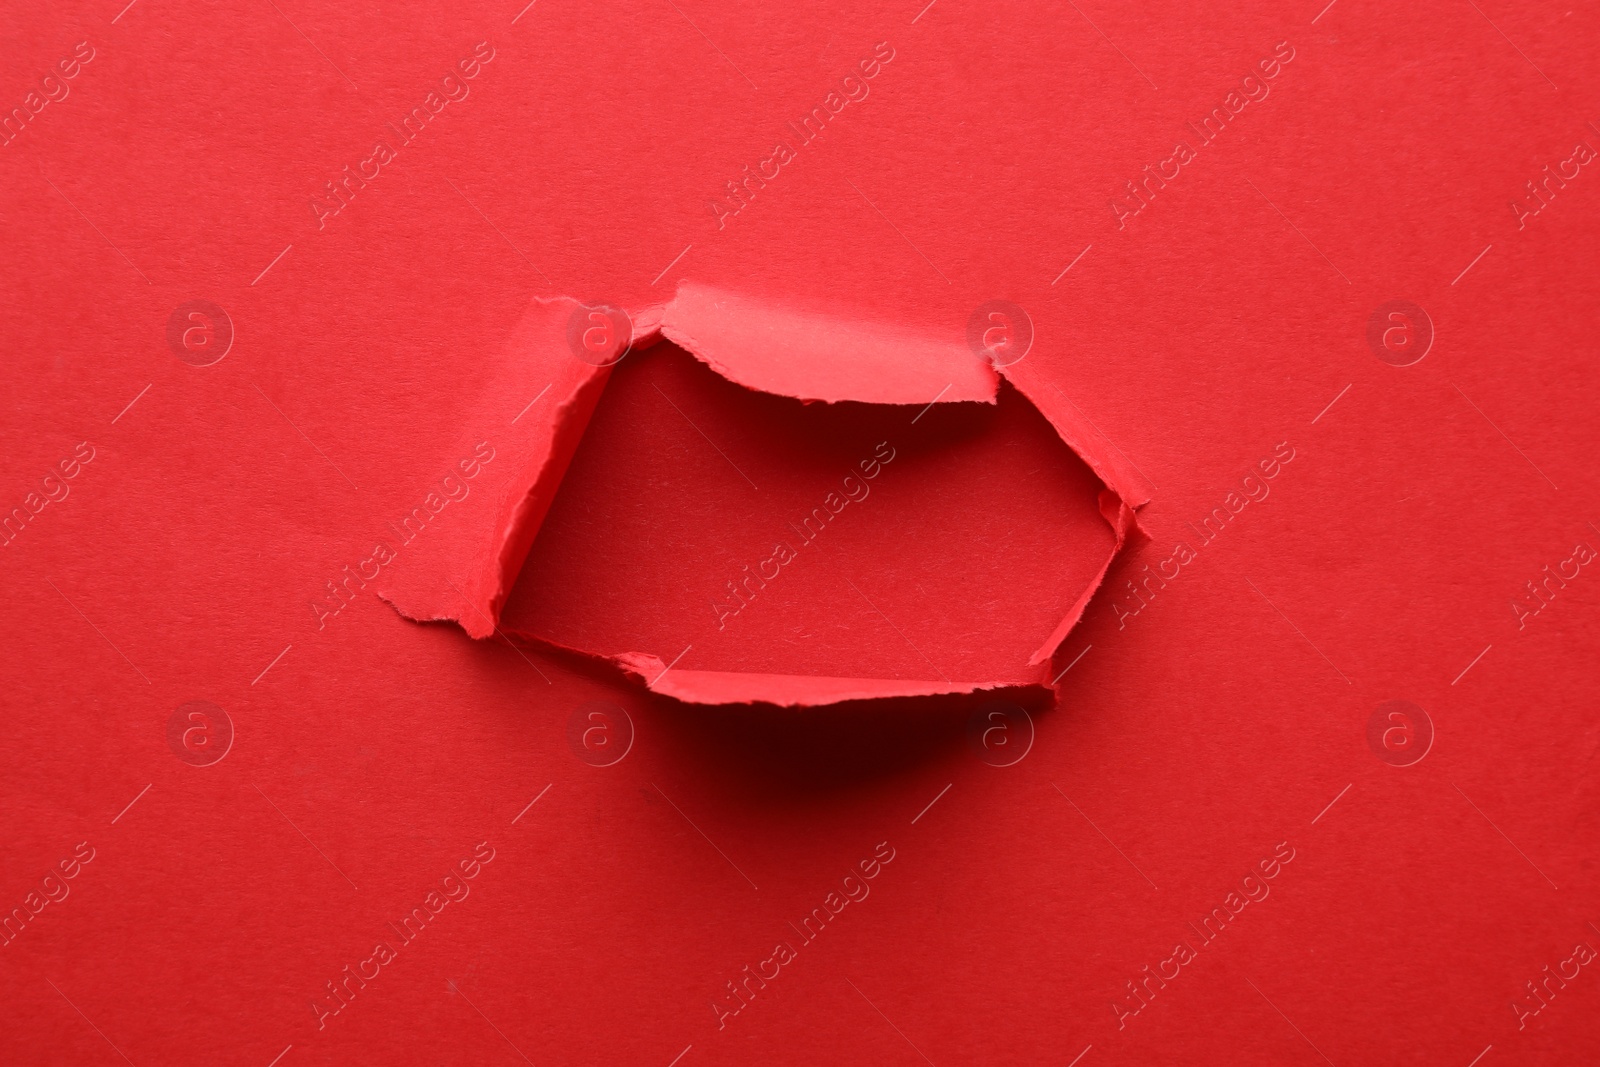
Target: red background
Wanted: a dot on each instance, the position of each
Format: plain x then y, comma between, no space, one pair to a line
374,754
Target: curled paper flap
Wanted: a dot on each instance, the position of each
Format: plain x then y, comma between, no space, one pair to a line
561,356
812,356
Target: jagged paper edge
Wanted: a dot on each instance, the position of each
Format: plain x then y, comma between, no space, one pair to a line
805,356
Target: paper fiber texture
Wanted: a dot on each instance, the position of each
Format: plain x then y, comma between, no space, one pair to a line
287,301
901,484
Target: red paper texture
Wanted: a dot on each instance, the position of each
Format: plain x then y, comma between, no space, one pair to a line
1213,684
630,546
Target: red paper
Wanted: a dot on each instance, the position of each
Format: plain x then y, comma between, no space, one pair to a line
659,536
1308,292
